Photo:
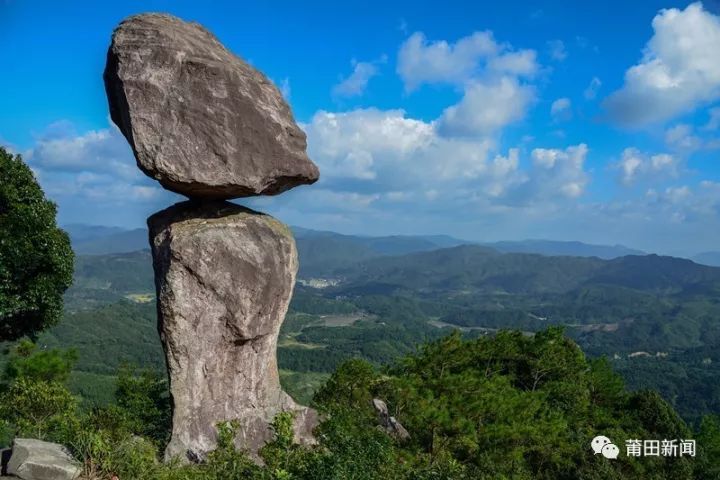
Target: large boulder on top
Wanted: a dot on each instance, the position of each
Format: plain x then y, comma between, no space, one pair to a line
38,460
224,276
199,119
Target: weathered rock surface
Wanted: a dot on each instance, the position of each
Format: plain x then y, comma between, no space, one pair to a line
389,423
37,460
224,276
199,119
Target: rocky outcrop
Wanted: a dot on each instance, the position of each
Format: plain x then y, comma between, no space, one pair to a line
199,119
224,277
207,125
388,422
38,460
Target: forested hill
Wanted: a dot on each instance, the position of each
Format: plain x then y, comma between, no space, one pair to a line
465,269
482,269
657,318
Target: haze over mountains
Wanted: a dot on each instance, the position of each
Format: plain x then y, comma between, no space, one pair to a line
324,247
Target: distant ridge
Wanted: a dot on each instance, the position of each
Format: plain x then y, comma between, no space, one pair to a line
708,258
322,249
98,240
565,248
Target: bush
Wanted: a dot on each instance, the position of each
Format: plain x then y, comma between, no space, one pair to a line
39,409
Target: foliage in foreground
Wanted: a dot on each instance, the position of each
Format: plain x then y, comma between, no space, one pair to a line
510,406
36,261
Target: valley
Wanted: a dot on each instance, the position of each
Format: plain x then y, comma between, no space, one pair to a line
379,298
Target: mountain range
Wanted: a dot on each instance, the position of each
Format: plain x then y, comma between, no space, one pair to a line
99,240
323,248
379,297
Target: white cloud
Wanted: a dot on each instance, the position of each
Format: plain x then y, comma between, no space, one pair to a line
96,166
635,165
685,204
487,107
520,63
682,138
591,91
356,144
94,151
561,171
399,160
492,76
471,57
394,151
557,50
440,62
679,70
561,110
356,83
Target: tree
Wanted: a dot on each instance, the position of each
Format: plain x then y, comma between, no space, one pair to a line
36,261
28,362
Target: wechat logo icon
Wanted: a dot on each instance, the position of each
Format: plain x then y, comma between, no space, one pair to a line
603,445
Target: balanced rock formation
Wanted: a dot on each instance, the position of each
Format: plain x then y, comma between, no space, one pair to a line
38,460
199,119
206,124
224,276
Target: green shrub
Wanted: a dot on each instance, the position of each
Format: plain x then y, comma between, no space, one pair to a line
39,409
226,462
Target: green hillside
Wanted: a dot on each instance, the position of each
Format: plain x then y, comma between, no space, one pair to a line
652,316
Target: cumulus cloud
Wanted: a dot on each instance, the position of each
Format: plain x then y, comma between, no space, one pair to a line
678,72
557,50
396,160
104,151
392,150
421,61
356,83
96,166
561,172
592,89
492,75
635,165
358,144
560,109
487,107
685,204
681,138
522,63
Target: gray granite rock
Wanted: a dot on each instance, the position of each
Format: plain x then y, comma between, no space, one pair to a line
224,276
199,119
37,460
388,422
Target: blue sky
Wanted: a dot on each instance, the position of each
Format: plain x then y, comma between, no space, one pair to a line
509,120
